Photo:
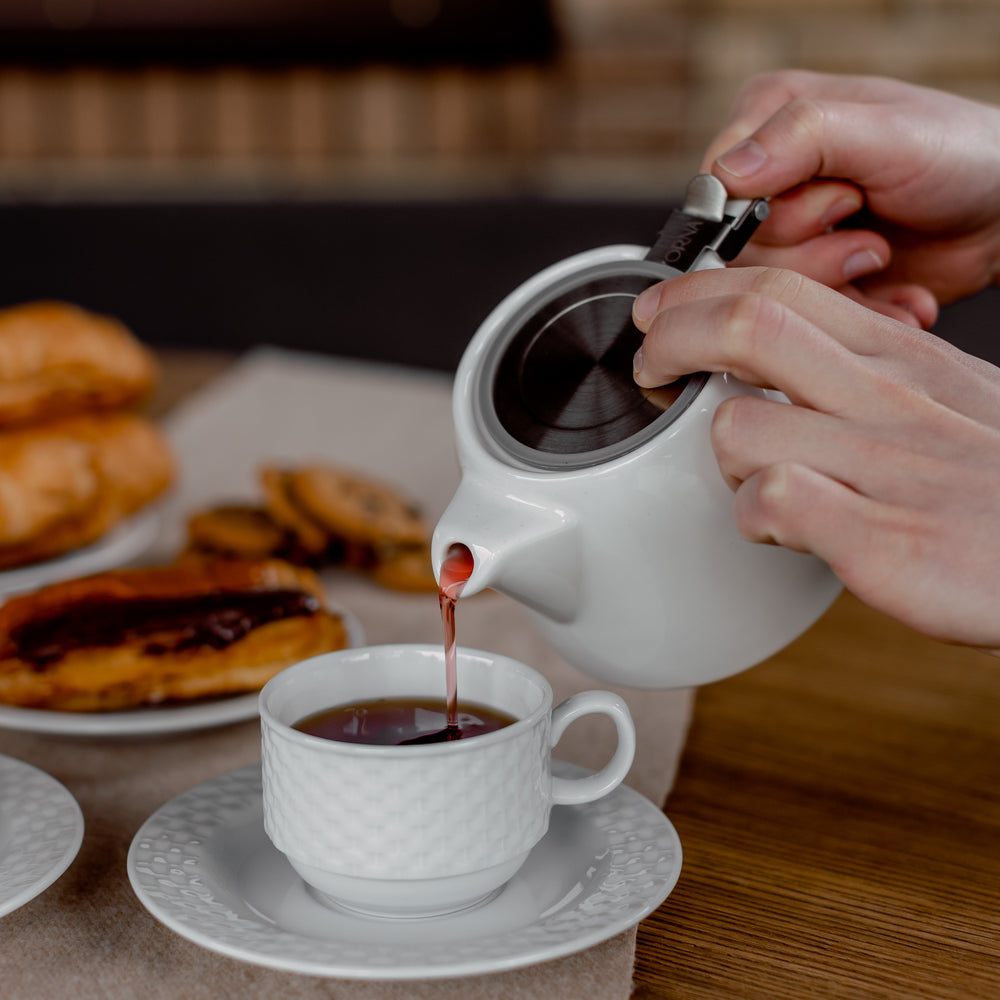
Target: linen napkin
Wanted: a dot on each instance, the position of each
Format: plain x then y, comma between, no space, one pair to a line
88,936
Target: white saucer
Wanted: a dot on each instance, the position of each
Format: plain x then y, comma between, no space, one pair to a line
203,865
41,829
128,541
154,720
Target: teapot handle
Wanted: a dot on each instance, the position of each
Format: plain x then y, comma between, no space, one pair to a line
573,791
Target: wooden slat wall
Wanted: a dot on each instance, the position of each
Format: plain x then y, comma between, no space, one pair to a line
637,90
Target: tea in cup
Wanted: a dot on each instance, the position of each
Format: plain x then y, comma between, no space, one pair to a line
402,826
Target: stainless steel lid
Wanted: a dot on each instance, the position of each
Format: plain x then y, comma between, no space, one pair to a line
554,387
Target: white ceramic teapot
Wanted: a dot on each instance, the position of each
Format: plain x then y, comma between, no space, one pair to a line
600,506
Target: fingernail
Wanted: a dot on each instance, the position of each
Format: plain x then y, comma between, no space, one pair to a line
744,159
644,307
637,362
842,209
860,263
910,317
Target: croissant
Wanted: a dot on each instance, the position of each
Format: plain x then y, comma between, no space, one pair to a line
195,629
57,359
65,484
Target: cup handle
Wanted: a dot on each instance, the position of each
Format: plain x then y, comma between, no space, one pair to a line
573,791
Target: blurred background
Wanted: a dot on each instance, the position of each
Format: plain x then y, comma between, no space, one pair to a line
368,177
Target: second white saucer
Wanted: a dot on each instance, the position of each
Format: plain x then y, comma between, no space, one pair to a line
41,829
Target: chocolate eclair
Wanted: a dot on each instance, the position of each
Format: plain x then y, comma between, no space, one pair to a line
196,629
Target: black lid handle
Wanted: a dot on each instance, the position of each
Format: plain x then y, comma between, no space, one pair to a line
708,230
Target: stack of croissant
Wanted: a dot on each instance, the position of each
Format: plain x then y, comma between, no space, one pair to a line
75,457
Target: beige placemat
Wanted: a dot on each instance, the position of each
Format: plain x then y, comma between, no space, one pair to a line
88,936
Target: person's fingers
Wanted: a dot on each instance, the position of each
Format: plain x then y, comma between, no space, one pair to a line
897,558
763,95
908,303
802,126
833,259
791,132
851,257
755,102
808,210
776,328
867,543
800,141
895,311
758,339
950,268
750,433
749,319
799,508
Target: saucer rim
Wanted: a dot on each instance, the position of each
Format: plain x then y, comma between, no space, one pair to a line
59,849
152,900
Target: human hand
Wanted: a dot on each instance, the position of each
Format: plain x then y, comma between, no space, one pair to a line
921,163
886,461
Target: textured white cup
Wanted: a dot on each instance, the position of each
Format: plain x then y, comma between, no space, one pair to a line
420,830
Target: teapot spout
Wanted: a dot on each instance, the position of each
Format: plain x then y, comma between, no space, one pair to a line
530,552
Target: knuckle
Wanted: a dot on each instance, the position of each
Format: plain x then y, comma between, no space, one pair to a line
732,420
721,433
762,83
754,509
748,322
804,117
781,82
733,444
769,505
776,489
777,283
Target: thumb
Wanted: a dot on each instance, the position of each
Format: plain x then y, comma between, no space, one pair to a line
789,127
805,139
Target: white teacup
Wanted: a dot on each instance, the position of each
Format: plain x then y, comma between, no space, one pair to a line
426,829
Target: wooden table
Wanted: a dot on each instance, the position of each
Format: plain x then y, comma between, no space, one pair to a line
839,807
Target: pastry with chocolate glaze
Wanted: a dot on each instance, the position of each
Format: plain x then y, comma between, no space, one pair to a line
57,359
196,629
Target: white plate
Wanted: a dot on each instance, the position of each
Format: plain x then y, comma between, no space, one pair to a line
203,865
41,829
154,720
127,542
